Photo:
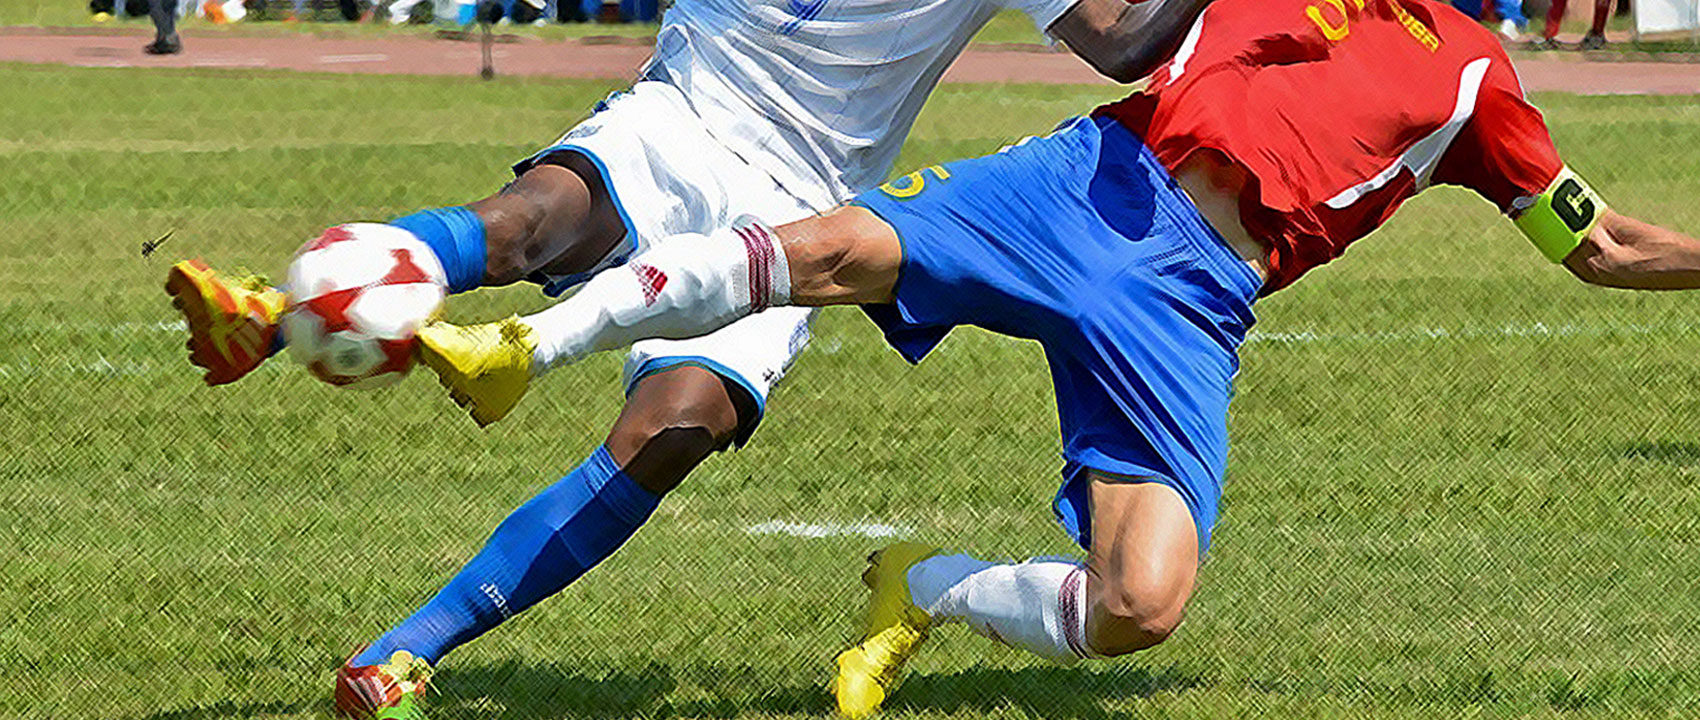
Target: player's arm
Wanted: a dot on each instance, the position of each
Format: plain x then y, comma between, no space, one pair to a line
1623,252
1126,40
1570,224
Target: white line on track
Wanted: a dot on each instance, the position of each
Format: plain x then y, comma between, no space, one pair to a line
354,58
810,530
229,62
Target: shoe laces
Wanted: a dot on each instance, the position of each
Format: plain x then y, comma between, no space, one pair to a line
412,673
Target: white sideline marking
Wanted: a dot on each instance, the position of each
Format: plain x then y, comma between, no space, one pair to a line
808,530
99,366
229,62
356,58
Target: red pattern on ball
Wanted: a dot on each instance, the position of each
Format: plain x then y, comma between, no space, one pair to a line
326,239
332,308
405,270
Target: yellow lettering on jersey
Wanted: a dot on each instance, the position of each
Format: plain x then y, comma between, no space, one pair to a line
1415,27
1334,19
1334,32
912,184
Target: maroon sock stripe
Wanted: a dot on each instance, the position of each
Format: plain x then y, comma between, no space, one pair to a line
1070,613
761,265
765,244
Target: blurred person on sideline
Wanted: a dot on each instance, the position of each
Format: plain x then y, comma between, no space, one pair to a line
1512,22
1594,40
165,40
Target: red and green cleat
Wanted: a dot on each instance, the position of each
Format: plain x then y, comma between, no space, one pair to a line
392,690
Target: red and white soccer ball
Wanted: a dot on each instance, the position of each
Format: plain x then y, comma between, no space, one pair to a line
358,294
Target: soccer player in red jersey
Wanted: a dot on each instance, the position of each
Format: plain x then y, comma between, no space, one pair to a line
1131,245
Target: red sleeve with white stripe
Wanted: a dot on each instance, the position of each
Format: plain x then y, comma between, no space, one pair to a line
1505,152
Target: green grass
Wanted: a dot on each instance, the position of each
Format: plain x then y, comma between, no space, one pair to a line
1417,525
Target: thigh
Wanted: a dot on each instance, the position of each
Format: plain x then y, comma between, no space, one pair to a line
1006,242
663,173
1144,547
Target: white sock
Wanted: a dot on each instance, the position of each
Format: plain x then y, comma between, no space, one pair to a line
1038,606
687,285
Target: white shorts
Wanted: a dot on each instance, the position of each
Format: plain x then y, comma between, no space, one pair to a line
667,176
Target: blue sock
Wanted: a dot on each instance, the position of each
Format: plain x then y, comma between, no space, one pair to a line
456,235
541,548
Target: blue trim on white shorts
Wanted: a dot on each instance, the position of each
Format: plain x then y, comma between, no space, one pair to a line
557,286
657,365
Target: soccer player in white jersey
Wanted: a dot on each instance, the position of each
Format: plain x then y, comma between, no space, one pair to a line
780,107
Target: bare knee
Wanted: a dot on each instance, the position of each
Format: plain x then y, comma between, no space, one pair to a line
1131,616
671,423
556,219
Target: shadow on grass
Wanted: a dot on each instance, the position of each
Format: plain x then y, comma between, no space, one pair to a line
1048,692
222,710
528,691
524,691
1680,454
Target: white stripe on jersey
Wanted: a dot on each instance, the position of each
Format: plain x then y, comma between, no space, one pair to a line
820,94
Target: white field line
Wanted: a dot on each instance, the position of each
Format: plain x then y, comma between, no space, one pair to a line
103,366
809,530
355,58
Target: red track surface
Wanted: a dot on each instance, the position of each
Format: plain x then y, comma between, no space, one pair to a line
423,56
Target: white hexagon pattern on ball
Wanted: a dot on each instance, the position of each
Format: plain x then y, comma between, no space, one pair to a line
304,335
395,312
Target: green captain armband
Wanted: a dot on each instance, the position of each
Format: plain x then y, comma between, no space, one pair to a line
1559,219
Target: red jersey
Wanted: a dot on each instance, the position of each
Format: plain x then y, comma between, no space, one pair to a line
1339,111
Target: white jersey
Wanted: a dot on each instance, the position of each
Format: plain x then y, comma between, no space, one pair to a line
819,93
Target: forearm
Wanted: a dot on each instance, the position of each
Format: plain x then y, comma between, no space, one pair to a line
1127,41
1623,252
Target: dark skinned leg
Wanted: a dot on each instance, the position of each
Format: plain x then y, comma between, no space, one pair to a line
556,219
673,420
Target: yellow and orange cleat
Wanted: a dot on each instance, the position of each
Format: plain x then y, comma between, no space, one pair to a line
232,322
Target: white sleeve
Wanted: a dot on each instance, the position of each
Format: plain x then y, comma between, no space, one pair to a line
1043,12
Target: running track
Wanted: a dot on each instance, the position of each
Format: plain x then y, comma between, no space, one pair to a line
423,56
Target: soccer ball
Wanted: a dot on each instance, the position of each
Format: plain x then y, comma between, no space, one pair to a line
358,293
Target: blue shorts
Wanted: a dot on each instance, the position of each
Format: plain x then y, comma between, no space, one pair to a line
1083,242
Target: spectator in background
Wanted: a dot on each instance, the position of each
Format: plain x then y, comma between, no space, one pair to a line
165,40
1511,19
1594,40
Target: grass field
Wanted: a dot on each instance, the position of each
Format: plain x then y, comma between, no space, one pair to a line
1463,485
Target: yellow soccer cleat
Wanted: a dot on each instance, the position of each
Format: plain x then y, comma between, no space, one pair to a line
487,368
232,321
893,630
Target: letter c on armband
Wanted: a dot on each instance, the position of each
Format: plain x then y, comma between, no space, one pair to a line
1559,219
